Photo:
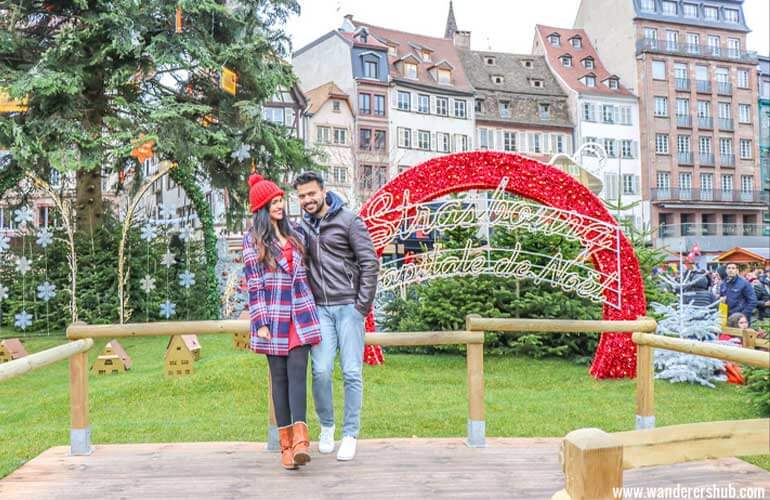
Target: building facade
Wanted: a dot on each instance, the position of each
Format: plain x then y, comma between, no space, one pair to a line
604,112
763,106
697,88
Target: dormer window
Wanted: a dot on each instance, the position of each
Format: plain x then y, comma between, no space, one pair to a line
336,106
545,110
577,42
392,51
444,76
370,69
648,5
410,70
498,79
711,13
589,81
588,63
613,83
731,15
489,60
536,83
425,56
566,61
363,35
554,39
669,7
527,63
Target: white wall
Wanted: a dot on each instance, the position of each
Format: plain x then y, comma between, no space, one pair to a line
329,61
336,155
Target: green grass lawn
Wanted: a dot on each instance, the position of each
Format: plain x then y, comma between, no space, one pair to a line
411,395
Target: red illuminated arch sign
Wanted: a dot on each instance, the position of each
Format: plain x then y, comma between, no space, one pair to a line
562,200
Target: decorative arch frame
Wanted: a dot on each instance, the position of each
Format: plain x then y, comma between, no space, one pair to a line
615,356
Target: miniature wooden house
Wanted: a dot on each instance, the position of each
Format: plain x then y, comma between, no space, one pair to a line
242,340
113,360
11,349
181,353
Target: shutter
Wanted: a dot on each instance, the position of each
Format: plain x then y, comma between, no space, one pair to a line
434,141
394,99
432,106
499,144
635,184
634,149
546,143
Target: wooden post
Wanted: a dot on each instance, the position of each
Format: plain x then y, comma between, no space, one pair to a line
475,363
645,388
272,427
749,339
80,430
593,465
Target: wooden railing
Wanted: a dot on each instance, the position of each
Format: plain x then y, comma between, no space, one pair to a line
749,338
43,358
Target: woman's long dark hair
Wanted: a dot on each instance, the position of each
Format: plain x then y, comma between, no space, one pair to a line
264,237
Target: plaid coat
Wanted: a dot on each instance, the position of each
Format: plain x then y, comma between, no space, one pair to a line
276,298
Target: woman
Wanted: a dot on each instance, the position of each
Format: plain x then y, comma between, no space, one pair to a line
283,315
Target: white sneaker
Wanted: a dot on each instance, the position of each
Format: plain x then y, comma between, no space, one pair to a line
326,440
347,449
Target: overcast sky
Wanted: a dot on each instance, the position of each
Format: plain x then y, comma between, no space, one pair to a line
495,24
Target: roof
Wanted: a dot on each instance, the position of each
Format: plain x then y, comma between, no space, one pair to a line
190,341
120,352
678,18
571,75
318,96
516,78
764,65
760,254
355,40
15,348
442,49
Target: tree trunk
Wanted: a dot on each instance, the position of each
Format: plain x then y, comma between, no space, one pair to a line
89,206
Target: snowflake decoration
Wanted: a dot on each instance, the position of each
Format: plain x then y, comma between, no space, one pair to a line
186,233
187,279
24,215
3,292
167,211
44,238
148,283
169,259
22,265
46,291
5,243
23,320
149,232
241,154
167,309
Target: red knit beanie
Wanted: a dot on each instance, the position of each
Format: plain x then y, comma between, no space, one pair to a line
261,191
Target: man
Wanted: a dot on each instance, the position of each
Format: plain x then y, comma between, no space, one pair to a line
738,293
343,268
762,293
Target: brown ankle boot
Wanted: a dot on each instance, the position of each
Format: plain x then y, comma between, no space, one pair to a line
301,443
285,437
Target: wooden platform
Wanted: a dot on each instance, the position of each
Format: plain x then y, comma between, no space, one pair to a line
384,468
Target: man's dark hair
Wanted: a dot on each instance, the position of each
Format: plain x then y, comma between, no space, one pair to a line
306,177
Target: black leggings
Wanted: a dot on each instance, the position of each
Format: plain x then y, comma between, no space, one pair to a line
288,375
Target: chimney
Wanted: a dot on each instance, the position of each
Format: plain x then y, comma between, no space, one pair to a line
462,39
347,23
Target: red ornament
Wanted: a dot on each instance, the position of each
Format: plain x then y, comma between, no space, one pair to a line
615,356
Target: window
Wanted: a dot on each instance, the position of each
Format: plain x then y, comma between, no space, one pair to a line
682,107
577,42
340,175
273,115
722,75
462,143
545,110
336,106
713,44
323,135
538,84
747,183
477,104
663,180
535,145
626,148
365,138
727,182
661,144
745,147
610,146
725,146
423,103
658,70
707,182
705,145
704,109
423,140
404,100
630,184
672,39
733,47
489,61
588,63
392,51
625,115
509,141
370,69
557,143
690,10
365,104
651,35
498,79
742,77
711,13
485,138
588,112
683,144
340,136
764,90
404,137
410,70
608,113
566,61
444,76
648,5
680,71
425,56
442,141
693,41
554,40
505,109
731,15
460,108
589,81
613,83
724,110
442,106
367,177
380,176
685,180
669,7
55,178
744,113
379,140
661,106
527,63
379,105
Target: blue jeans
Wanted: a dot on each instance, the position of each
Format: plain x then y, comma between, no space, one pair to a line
342,327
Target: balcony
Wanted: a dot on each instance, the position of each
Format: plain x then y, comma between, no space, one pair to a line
682,84
707,159
726,160
726,124
724,88
708,195
688,49
684,121
703,86
712,237
684,158
705,122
